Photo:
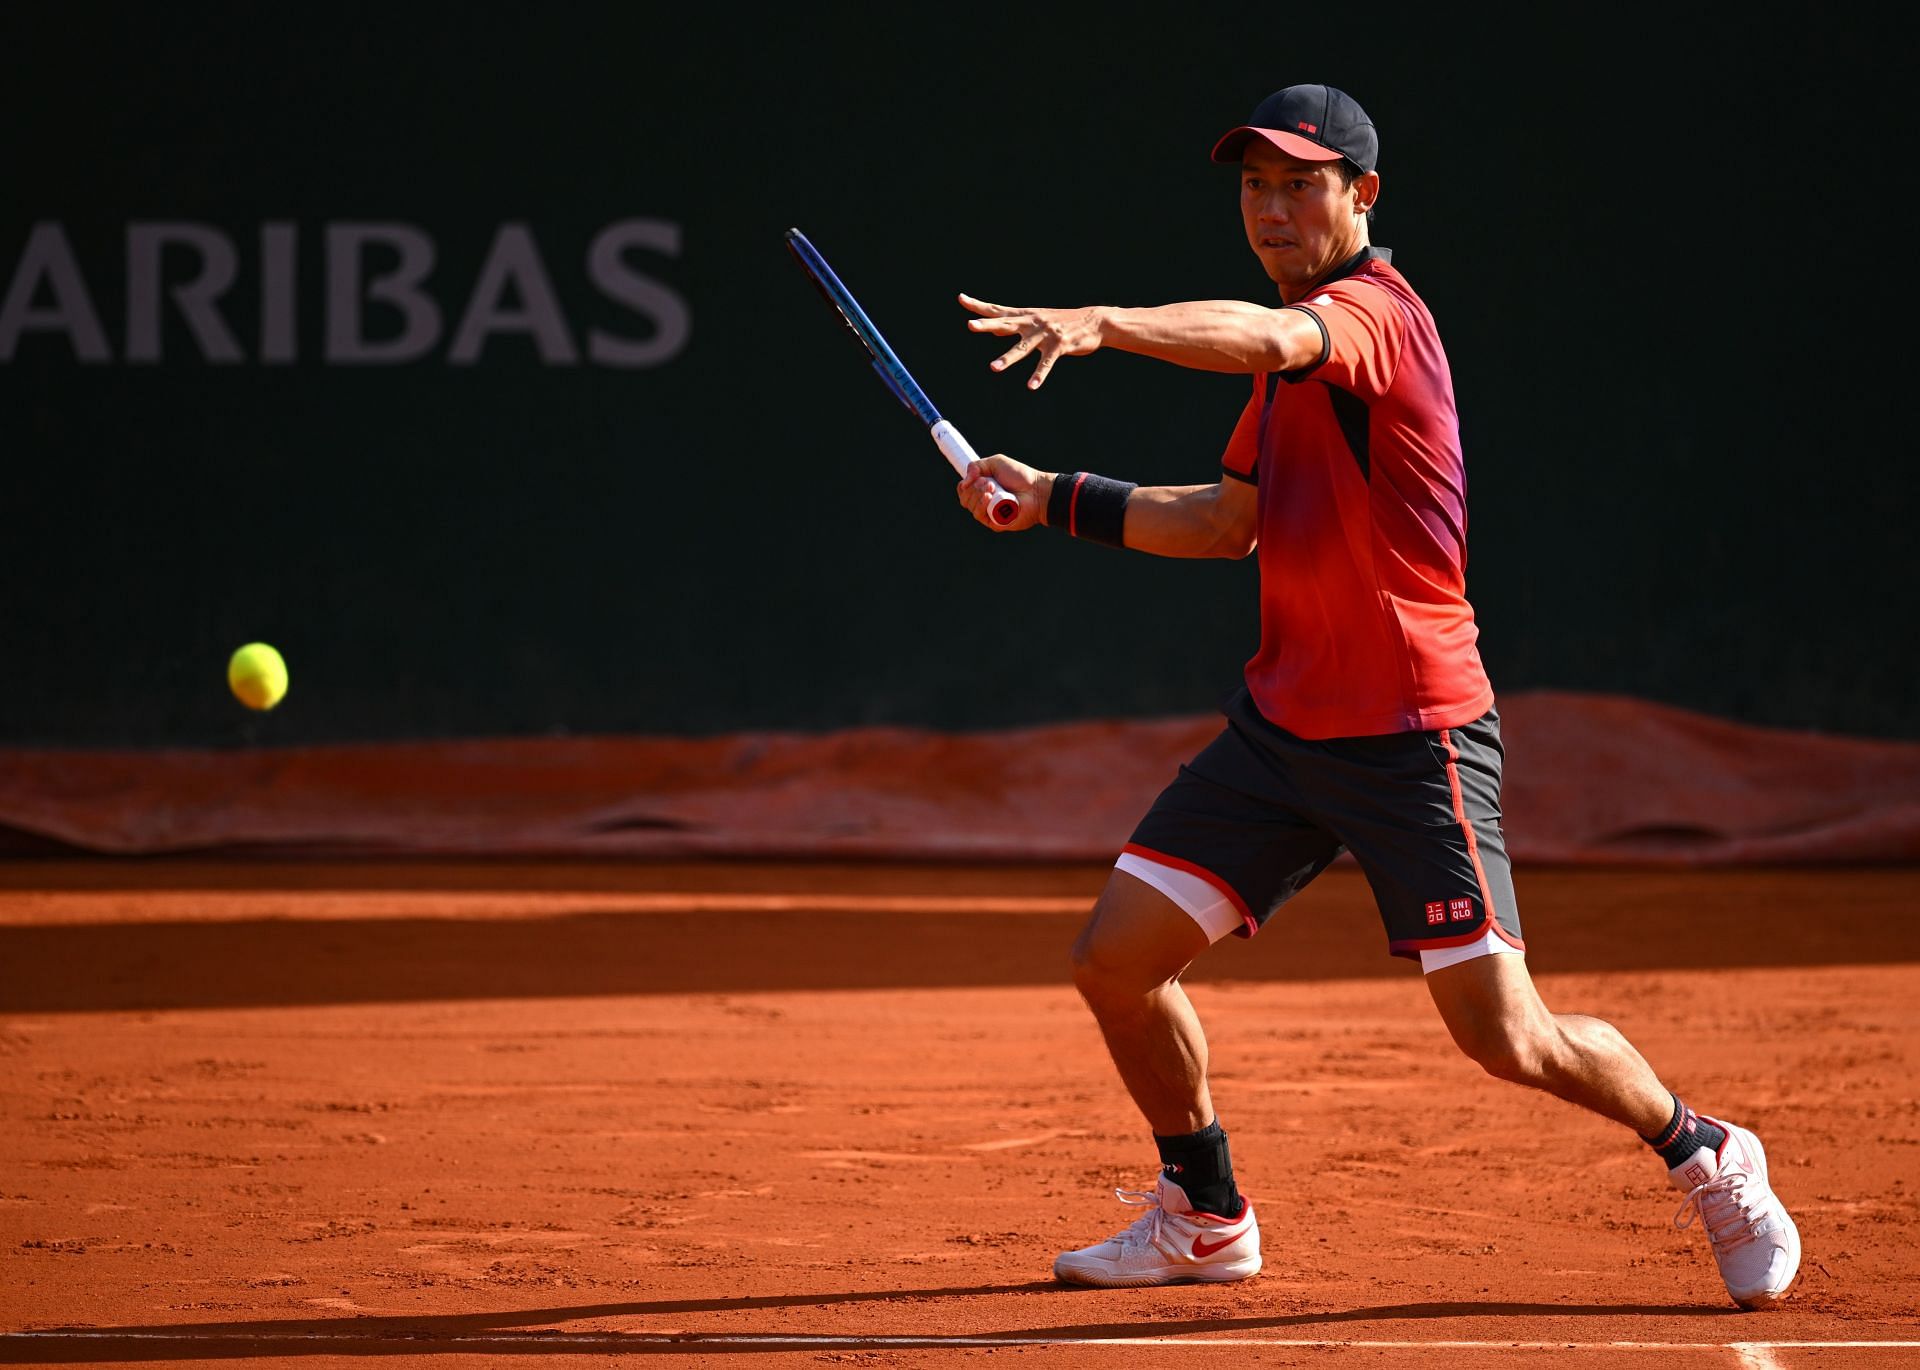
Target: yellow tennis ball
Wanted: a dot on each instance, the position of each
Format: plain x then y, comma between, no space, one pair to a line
257,676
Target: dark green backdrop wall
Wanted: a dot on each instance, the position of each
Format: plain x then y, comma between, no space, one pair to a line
1658,256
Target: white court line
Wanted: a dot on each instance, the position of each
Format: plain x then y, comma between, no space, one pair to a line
1752,1353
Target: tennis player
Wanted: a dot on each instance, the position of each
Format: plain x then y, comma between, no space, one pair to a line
1365,722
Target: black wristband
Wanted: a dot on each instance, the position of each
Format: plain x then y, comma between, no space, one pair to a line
1088,506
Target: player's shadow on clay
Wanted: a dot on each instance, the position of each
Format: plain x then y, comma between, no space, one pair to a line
531,1331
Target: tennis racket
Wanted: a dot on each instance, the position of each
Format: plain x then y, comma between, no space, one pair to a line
1002,508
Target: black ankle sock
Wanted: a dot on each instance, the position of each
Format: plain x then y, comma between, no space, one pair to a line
1198,1162
1685,1133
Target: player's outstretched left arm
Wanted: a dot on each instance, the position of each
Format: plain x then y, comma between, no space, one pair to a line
1206,335
1164,520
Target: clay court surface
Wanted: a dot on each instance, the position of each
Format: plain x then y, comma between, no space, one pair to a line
766,1115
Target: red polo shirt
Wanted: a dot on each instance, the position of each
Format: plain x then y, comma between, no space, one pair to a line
1364,622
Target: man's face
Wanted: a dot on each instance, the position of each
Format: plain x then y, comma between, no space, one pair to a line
1301,220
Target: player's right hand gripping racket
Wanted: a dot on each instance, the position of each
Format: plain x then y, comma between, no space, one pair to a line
1002,508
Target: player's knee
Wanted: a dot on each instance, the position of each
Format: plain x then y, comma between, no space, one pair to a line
1509,1052
1104,972
1092,973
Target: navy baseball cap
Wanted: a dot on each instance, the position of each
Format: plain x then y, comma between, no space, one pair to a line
1311,123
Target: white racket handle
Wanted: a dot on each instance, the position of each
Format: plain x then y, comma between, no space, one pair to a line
1002,508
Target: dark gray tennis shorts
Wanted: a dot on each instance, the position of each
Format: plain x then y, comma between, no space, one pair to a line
1260,812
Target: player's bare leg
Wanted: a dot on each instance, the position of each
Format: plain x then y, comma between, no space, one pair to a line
1496,1016
1127,963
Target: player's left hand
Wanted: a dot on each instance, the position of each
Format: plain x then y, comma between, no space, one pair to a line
1053,333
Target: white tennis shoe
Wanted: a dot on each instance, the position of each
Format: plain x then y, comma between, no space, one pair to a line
1754,1240
1168,1244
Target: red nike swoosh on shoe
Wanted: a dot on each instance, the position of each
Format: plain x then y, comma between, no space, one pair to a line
1204,1248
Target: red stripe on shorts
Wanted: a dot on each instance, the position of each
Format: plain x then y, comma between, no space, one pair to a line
1473,844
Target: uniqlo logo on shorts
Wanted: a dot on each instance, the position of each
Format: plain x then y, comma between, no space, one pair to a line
1459,910
1436,913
